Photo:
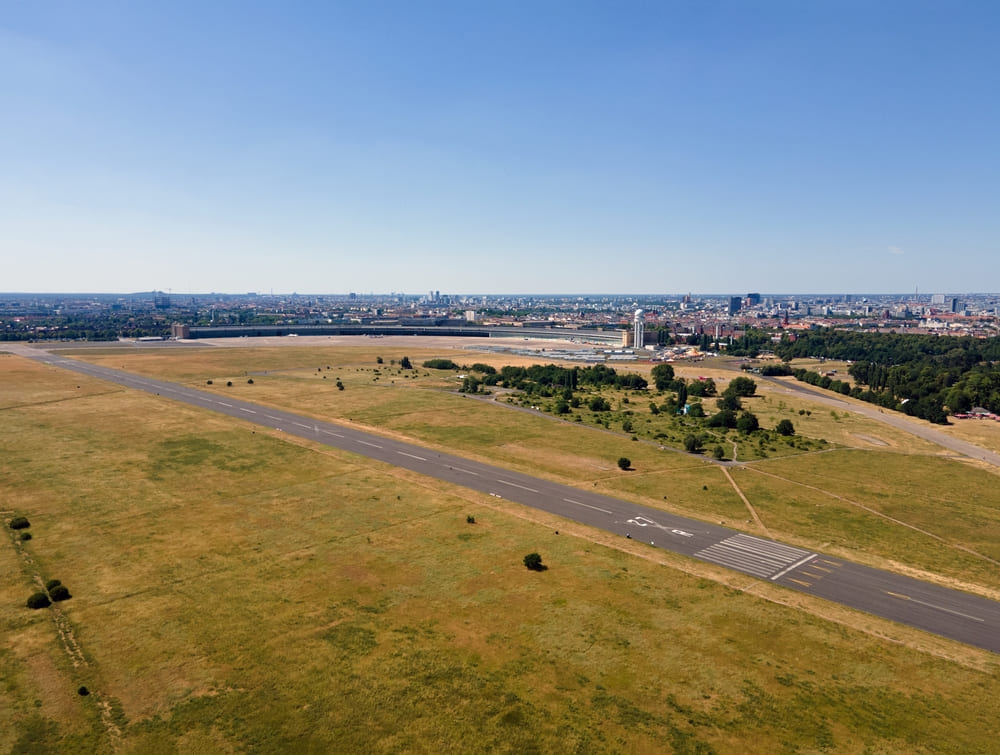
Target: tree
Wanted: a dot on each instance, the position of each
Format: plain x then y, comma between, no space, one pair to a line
624,463
379,360
747,423
19,523
725,418
404,364
719,453
785,427
742,386
682,393
653,408
696,410
663,375
562,406
627,425
598,404
729,402
692,443
533,561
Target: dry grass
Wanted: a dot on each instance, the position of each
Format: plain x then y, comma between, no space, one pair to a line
236,591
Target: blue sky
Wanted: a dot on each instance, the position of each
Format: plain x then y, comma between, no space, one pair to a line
494,147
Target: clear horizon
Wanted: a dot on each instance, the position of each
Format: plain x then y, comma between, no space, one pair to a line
548,148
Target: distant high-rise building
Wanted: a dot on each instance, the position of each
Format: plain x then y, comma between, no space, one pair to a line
937,299
639,326
734,305
956,305
753,300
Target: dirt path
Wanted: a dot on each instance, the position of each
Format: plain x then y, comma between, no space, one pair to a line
750,508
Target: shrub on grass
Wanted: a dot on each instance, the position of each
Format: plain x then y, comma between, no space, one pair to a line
26,536
52,584
624,463
250,381
229,383
60,593
533,561
470,519
208,382
39,600
19,523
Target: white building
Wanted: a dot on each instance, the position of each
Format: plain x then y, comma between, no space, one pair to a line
639,328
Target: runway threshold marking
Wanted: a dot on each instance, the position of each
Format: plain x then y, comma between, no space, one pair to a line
595,508
412,456
796,565
931,605
515,485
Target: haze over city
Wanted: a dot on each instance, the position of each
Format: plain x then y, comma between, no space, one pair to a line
508,147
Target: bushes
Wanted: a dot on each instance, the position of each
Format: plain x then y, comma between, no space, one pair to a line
59,593
52,584
39,600
533,561
19,523
624,463
440,364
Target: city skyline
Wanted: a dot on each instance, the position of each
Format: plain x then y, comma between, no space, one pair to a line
540,149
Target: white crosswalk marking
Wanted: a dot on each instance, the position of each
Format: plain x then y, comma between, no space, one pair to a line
751,555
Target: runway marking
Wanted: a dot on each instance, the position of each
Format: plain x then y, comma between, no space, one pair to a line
755,556
248,411
931,605
301,425
466,471
271,416
336,435
820,568
366,443
412,456
796,565
800,582
595,508
223,403
831,563
515,485
810,574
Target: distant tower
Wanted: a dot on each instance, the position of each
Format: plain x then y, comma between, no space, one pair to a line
639,327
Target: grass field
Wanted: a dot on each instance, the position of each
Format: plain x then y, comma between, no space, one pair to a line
238,591
421,405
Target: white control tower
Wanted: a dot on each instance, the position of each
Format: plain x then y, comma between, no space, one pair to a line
639,329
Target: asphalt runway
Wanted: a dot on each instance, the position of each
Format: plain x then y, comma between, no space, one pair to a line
957,615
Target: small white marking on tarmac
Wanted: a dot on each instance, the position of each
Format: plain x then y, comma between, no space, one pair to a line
301,425
596,508
515,485
335,435
412,456
366,443
271,416
248,411
467,471
931,605
796,565
223,403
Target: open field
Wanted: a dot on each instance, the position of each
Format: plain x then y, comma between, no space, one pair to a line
421,405
234,590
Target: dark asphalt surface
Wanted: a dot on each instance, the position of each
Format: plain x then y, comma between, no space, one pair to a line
957,615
